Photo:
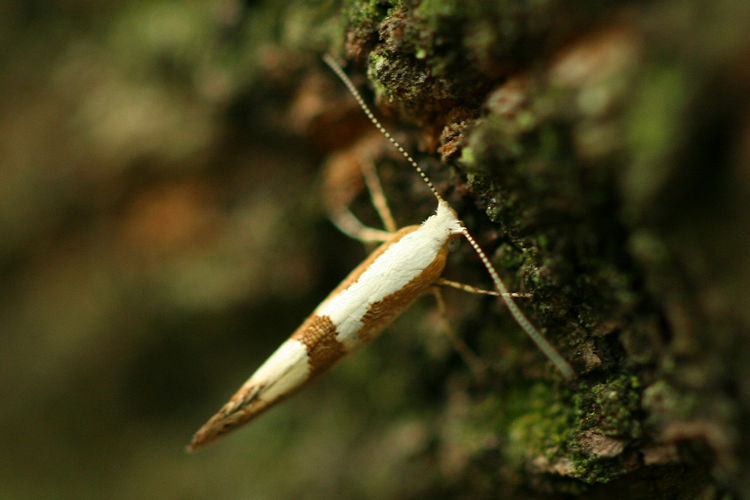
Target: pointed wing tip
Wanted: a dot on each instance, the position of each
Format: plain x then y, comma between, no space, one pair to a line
223,422
195,445
243,407
201,438
215,427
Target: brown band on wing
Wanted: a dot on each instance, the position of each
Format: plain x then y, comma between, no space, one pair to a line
382,313
318,333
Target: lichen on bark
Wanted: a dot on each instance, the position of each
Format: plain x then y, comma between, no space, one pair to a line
603,159
164,230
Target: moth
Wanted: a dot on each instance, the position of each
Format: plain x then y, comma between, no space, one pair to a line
407,264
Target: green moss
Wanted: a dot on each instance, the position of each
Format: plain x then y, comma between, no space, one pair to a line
527,150
365,15
439,53
615,195
611,407
541,423
593,470
531,420
572,165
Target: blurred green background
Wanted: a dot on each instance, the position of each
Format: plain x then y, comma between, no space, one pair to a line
161,234
162,230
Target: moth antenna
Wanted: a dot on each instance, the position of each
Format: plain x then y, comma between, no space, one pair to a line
542,343
331,62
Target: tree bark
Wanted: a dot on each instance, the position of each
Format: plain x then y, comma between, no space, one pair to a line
600,153
164,230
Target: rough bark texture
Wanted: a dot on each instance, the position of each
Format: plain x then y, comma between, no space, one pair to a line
165,230
608,145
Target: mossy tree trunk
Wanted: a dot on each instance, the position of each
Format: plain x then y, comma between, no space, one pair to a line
164,230
600,152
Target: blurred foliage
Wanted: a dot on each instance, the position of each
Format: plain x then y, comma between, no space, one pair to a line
160,235
163,230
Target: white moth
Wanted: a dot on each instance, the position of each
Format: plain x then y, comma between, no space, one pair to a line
407,264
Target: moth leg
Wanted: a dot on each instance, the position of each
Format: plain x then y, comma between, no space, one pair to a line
350,225
475,364
344,177
478,291
342,181
377,195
